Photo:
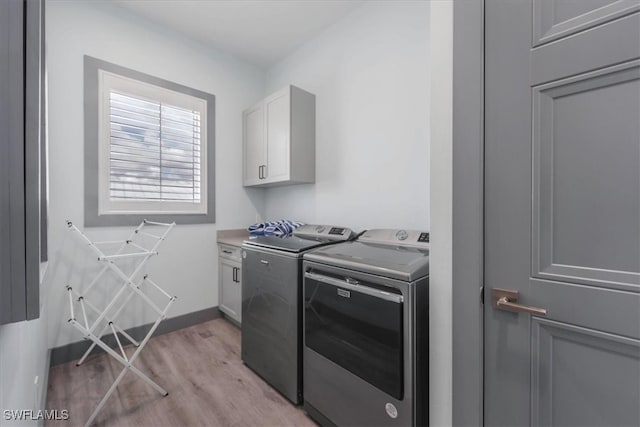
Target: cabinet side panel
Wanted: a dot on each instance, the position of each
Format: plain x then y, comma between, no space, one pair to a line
303,136
5,225
32,146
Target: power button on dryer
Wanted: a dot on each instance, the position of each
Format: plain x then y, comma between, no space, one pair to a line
391,410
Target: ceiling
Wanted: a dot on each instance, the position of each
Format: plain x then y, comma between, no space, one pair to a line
261,32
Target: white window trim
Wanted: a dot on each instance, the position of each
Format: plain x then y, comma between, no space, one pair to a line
109,81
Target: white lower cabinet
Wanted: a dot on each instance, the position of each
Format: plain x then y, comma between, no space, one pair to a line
230,282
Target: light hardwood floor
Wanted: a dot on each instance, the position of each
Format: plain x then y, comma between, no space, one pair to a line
201,369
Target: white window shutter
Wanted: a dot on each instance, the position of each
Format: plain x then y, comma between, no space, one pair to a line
154,151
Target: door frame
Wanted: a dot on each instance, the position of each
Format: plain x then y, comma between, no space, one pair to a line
468,214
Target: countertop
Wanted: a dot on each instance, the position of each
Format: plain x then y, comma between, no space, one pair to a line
232,237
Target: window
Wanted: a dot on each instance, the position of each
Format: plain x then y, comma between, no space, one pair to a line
149,149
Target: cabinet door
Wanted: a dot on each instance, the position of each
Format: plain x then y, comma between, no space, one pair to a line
21,139
230,288
237,295
254,144
12,227
278,131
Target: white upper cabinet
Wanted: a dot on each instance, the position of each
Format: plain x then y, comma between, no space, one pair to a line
280,139
254,147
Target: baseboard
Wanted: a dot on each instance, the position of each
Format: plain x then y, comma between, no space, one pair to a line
75,350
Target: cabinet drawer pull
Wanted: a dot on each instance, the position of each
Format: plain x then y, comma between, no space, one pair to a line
264,262
226,251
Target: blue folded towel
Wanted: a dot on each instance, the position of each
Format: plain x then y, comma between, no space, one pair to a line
281,228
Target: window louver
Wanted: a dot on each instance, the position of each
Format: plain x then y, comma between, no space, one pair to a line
154,152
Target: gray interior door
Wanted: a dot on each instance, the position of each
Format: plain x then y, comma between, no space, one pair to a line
562,212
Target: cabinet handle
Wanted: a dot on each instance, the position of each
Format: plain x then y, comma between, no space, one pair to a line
262,171
226,251
234,274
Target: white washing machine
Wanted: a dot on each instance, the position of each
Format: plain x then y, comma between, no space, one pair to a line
271,332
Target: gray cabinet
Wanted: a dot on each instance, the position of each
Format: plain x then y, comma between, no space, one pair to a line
279,140
22,158
230,282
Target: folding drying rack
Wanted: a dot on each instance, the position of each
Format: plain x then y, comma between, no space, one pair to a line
130,285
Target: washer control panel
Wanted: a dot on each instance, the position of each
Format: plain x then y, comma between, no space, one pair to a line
323,232
397,237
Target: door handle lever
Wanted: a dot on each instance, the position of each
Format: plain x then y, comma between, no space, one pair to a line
507,299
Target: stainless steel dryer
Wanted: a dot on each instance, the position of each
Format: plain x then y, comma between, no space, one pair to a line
271,333
366,330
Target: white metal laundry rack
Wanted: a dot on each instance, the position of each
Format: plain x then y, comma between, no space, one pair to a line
130,285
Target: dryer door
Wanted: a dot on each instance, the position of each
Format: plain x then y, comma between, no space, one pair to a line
358,326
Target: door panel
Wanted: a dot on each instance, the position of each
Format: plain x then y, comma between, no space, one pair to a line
554,19
603,46
230,290
562,212
570,390
607,310
238,291
254,144
586,185
278,121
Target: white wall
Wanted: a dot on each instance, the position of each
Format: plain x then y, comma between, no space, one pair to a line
440,311
383,147
187,265
370,74
23,358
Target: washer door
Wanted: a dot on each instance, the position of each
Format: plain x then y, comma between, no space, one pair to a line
358,326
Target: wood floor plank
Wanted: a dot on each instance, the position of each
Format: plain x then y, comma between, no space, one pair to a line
199,366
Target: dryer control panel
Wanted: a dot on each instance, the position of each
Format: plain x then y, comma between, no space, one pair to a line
397,237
